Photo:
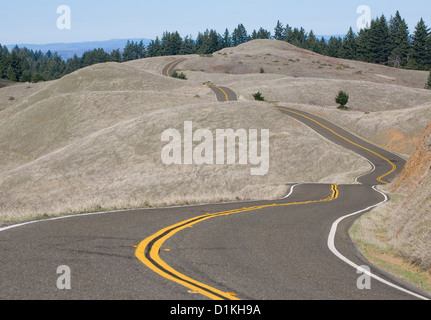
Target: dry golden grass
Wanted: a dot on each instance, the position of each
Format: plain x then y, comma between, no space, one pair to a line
93,140
282,58
120,166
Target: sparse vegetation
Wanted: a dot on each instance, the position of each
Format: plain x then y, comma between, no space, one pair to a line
208,84
258,96
342,99
177,75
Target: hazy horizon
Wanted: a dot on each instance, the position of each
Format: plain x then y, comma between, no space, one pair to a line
29,22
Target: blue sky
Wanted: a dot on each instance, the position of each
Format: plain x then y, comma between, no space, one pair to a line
29,21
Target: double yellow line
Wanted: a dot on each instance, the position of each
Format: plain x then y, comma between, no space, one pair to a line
148,251
380,179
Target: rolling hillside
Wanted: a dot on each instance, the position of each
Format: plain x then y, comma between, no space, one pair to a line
92,140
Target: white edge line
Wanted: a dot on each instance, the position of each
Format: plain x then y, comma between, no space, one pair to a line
291,191
373,167
331,245
138,209
367,173
331,238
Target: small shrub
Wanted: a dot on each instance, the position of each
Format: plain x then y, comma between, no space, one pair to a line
258,97
342,99
177,75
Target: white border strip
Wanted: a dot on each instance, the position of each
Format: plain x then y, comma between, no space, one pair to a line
331,245
139,209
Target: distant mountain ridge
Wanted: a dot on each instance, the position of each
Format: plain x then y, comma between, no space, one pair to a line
68,50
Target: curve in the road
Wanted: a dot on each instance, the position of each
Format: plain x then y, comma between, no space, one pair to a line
89,238
148,251
169,69
383,168
224,94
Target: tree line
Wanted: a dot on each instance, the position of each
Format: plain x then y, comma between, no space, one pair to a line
386,42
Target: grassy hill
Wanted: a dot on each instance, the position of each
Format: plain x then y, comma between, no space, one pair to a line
92,140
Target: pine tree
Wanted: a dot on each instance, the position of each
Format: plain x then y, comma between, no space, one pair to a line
154,48
115,56
279,31
399,41
420,55
209,42
287,33
297,37
4,53
227,39
378,41
333,49
73,64
171,43
349,46
15,68
342,99
239,35
261,34
188,46
312,43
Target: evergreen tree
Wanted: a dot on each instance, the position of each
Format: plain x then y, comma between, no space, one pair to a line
362,45
73,64
116,56
399,41
4,54
287,33
279,31
333,49
342,99
349,47
171,43
420,53
154,49
209,42
239,35
312,43
297,37
188,46
261,34
227,39
378,41
15,66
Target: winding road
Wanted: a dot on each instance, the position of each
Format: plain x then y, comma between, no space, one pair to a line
293,248
223,94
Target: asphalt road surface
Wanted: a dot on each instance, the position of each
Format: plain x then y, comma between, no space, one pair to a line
224,94
169,69
288,249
